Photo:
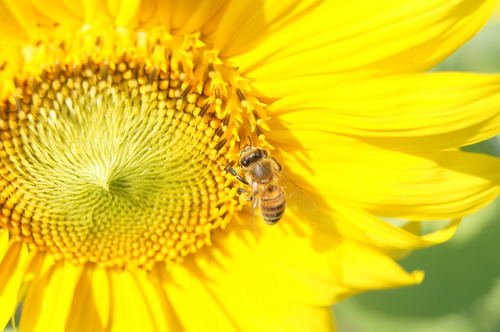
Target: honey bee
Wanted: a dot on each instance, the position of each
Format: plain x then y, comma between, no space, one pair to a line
271,190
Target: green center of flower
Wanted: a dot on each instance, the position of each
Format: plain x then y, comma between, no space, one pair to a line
119,161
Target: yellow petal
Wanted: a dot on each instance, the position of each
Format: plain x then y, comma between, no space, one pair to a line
409,113
192,302
279,255
348,39
250,278
344,240
187,16
49,299
148,14
4,242
246,23
252,296
17,21
363,227
160,310
123,11
39,262
90,307
347,238
64,12
11,276
369,270
92,8
129,309
75,7
440,185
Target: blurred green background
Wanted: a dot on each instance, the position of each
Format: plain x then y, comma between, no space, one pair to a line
461,291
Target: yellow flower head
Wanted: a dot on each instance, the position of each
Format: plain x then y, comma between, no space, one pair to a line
122,128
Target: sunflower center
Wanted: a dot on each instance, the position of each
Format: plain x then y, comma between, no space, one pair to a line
119,160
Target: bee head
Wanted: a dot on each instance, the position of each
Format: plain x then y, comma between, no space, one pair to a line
251,154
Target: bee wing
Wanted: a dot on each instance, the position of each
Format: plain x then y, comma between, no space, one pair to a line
257,223
296,196
255,197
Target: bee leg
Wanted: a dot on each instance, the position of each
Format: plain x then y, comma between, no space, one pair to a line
242,180
243,191
236,175
279,165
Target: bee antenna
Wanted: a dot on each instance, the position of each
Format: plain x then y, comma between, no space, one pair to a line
246,145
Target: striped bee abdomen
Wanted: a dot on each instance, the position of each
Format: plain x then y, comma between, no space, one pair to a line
272,205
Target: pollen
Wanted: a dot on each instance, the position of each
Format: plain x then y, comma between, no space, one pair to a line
113,149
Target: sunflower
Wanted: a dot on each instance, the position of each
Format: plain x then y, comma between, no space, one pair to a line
119,121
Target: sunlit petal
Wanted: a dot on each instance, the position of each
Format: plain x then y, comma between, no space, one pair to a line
12,259
54,290
439,185
380,38
408,113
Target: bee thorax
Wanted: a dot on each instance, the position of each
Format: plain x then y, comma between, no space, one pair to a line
261,173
